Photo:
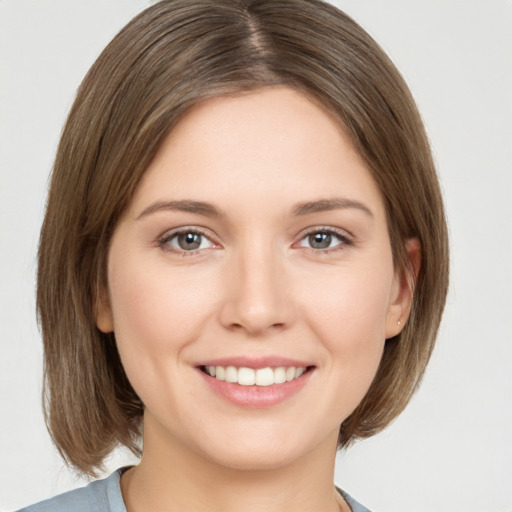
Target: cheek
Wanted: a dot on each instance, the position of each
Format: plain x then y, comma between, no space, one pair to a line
157,314
351,302
348,314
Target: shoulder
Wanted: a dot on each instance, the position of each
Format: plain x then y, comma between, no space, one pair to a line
99,496
353,504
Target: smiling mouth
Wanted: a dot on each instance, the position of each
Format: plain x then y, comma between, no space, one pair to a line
256,377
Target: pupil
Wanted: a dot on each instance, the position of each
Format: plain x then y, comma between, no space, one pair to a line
320,240
189,241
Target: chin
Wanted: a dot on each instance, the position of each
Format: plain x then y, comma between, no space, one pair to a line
257,459
264,450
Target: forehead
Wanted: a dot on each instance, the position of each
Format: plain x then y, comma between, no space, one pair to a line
270,143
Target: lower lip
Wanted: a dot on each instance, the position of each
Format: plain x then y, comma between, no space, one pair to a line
256,397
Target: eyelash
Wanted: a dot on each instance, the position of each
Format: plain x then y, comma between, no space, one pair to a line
163,241
344,240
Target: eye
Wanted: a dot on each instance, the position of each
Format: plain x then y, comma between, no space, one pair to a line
324,239
187,240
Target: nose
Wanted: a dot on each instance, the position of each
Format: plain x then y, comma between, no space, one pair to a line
257,295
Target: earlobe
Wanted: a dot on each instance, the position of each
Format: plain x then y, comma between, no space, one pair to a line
403,290
104,319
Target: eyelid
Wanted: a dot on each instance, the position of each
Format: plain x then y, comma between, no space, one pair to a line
166,236
346,238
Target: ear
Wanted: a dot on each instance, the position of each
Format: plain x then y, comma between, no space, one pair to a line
104,319
402,291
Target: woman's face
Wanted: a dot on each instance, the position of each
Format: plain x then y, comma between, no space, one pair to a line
255,249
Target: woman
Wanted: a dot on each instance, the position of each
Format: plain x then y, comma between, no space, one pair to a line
243,259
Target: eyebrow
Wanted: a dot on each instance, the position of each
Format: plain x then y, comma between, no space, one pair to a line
199,207
208,210
323,205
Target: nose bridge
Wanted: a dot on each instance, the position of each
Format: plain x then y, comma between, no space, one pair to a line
257,298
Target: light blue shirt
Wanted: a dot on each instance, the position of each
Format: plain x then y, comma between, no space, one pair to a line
105,496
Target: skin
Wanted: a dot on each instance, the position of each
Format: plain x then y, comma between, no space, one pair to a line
255,287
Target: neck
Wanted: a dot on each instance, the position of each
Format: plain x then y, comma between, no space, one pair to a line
171,477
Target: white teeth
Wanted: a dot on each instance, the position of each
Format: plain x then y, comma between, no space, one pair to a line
219,372
231,374
264,377
260,377
280,375
246,376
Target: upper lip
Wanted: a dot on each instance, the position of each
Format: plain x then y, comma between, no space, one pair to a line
256,362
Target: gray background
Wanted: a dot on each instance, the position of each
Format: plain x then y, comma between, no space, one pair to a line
452,448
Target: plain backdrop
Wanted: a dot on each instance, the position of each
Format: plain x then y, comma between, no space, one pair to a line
451,450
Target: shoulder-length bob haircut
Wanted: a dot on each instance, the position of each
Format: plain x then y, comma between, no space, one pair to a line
169,58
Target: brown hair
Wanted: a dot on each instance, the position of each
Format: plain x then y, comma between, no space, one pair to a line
167,59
